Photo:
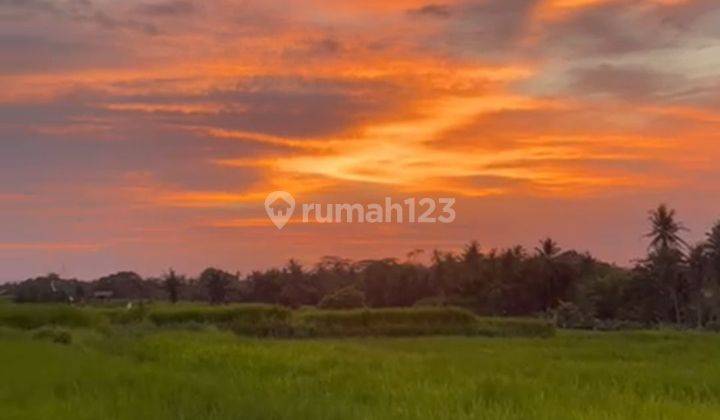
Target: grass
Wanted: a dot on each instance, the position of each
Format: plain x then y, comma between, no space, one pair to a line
150,372
270,320
167,314
38,315
414,322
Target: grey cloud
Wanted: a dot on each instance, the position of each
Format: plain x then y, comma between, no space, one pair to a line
167,8
624,27
698,16
82,11
606,31
628,82
488,29
34,153
67,8
314,48
106,21
42,5
283,106
431,10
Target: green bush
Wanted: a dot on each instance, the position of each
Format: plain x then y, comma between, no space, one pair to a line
263,328
515,327
275,321
345,298
56,336
387,322
122,315
713,326
29,316
135,314
569,315
220,315
618,325
469,303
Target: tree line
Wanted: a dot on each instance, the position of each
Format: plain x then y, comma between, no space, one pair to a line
675,282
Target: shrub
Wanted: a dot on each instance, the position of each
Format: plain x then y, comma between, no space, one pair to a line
227,315
56,336
618,325
569,315
263,328
123,316
515,327
469,303
29,316
713,326
393,322
345,298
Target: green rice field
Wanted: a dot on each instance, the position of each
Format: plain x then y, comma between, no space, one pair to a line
150,372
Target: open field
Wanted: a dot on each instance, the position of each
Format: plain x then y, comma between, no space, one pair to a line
162,373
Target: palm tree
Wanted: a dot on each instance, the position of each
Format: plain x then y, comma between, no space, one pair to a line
472,255
547,253
665,231
471,259
666,254
548,249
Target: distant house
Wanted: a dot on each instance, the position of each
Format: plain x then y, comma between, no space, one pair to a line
103,294
280,207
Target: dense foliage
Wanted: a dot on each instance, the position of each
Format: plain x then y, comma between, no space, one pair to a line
675,283
268,320
345,298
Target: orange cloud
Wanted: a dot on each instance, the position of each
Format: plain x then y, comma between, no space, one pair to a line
49,246
160,128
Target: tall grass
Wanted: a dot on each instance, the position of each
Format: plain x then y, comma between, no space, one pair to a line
391,322
414,322
214,375
515,327
221,315
269,320
29,316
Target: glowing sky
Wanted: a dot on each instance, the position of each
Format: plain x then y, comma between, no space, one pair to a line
145,135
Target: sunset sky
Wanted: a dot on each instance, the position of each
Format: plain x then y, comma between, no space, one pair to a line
143,135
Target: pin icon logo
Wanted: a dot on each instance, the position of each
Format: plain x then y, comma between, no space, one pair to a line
279,206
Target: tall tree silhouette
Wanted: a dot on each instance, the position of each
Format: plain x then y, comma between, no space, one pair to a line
666,256
547,253
217,283
548,249
713,251
666,230
172,285
697,272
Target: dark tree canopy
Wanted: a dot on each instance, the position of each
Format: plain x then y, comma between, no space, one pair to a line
673,283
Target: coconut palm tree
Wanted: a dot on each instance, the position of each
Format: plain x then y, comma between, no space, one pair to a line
666,230
547,253
666,255
548,249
